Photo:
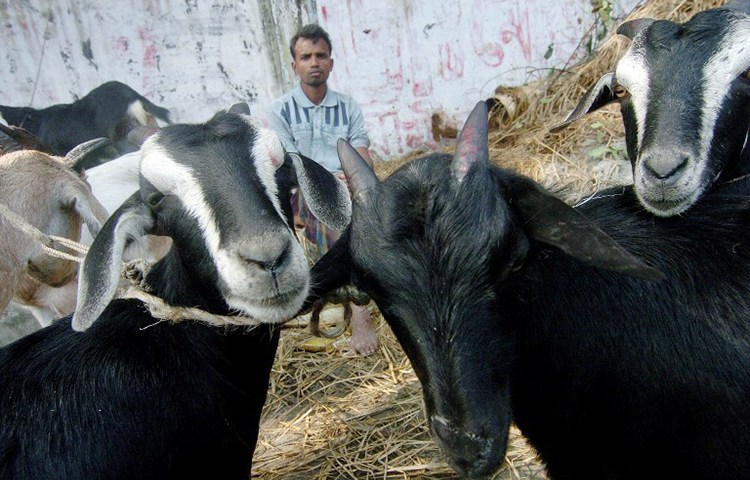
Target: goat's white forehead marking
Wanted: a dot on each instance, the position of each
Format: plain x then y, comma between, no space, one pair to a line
731,59
632,73
171,177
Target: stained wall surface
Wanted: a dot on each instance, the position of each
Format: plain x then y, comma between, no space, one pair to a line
402,60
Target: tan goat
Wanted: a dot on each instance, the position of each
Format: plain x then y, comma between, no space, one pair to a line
50,196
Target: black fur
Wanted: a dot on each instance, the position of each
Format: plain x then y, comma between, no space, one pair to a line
100,113
608,375
134,398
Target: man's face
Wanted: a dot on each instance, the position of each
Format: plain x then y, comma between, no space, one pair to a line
312,61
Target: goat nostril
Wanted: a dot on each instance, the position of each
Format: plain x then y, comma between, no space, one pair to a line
269,260
664,168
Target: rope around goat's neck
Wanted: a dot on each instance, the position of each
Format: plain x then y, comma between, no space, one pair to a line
46,241
135,272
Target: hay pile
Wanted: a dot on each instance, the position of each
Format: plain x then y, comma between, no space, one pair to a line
334,416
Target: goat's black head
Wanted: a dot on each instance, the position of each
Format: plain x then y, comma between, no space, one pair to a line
434,245
212,188
684,95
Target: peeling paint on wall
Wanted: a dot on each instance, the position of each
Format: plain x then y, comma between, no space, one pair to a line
406,62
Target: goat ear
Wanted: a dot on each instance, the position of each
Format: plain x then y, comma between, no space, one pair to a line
471,147
240,108
326,197
631,28
552,221
89,209
100,272
601,94
359,176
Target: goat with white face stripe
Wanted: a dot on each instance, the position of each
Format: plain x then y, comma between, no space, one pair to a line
684,95
133,397
224,217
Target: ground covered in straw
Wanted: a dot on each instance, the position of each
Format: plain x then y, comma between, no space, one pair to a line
330,415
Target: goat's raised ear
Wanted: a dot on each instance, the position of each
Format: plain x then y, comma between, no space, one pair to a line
326,197
601,94
100,272
471,147
552,221
359,176
91,211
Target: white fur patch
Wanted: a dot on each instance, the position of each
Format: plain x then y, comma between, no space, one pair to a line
170,177
729,62
632,73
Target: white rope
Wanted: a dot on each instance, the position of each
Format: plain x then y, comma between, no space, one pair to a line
135,272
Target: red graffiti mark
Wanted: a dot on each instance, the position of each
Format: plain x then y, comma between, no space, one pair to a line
521,32
450,65
389,122
414,141
149,56
150,59
489,52
324,12
422,89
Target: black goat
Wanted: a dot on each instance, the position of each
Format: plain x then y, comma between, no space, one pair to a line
512,305
684,94
132,397
110,110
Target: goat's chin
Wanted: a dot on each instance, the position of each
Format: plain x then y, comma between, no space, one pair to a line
668,208
276,309
669,200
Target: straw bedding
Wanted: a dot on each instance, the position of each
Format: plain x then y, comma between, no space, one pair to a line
331,415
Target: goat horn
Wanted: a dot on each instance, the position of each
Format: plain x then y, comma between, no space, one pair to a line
359,175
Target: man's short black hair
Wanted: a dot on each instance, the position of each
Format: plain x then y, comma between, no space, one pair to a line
312,32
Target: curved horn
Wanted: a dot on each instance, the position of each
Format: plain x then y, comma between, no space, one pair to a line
359,175
471,147
631,28
81,154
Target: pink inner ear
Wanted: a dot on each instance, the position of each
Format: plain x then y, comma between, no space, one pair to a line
275,160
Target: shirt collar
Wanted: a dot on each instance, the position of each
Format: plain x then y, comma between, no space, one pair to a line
329,100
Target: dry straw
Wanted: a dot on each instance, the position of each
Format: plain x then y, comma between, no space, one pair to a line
334,416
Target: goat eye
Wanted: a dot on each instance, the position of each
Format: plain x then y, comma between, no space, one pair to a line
620,91
155,198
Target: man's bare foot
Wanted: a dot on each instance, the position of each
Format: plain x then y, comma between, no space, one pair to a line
364,340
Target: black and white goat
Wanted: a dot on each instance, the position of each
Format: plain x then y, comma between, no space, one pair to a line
513,306
132,397
684,94
111,110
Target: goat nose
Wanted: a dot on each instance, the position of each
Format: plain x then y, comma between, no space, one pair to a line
665,167
467,452
271,256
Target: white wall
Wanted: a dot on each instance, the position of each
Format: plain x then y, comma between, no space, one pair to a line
402,60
